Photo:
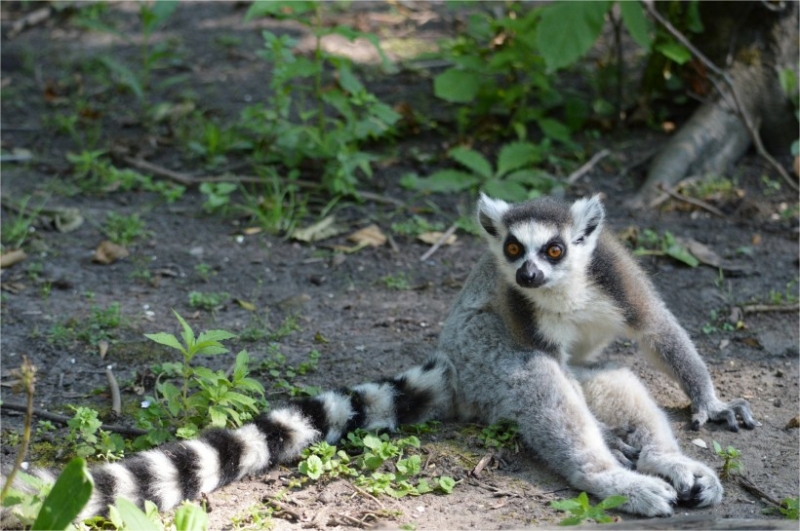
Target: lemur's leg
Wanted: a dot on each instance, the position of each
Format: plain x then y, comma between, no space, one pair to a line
620,400
175,471
555,421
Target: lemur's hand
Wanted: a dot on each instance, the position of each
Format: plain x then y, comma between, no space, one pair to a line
718,411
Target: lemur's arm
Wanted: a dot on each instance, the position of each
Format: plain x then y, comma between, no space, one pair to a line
669,346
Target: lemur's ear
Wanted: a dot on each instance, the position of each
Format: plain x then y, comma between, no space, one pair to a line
587,218
490,213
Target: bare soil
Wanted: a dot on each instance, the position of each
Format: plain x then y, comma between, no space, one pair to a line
370,330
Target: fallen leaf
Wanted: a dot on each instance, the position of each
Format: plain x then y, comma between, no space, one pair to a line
751,342
700,251
294,303
13,287
12,257
793,423
371,236
700,442
249,231
67,219
724,344
320,230
434,236
249,306
108,253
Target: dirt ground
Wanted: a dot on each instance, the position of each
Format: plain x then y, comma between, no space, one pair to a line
371,329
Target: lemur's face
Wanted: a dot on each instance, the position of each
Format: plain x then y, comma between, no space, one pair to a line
540,243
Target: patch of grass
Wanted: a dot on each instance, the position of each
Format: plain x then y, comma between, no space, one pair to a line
398,281
500,435
282,375
16,228
582,510
650,243
257,517
100,325
208,301
124,230
415,225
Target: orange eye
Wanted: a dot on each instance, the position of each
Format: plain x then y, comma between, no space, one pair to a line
513,249
555,252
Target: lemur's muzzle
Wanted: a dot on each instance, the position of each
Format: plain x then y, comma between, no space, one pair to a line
530,276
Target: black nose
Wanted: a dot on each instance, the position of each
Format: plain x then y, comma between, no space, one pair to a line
529,276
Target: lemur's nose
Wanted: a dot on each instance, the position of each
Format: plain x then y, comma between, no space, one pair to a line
529,276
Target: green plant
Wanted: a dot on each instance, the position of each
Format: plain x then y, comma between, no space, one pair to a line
206,397
514,178
731,456
257,517
94,173
368,469
278,206
99,325
788,296
399,281
582,510
88,440
218,196
204,271
790,508
415,225
207,301
305,121
56,506
282,375
651,244
500,435
124,230
717,323
16,230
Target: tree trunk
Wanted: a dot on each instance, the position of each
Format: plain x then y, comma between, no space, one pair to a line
753,42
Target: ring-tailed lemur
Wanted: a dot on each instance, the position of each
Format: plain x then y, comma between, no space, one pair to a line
554,289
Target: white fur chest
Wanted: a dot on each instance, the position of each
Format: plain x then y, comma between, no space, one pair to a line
581,321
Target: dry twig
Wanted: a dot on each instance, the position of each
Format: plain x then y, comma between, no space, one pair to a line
691,200
758,308
476,472
449,232
366,495
587,167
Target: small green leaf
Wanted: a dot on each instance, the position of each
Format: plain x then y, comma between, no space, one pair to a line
133,517
70,494
189,517
186,331
639,26
447,484
457,86
675,51
166,339
516,155
612,501
472,160
571,520
554,129
570,505
567,30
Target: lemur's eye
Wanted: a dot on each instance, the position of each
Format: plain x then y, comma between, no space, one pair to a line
554,251
513,249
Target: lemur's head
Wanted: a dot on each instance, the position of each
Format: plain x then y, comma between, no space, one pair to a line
543,241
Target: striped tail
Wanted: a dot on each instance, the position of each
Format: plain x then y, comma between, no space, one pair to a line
183,470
